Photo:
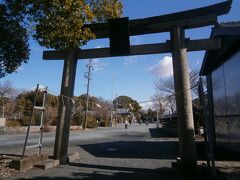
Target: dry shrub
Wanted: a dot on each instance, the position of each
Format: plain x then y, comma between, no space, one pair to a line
47,128
12,123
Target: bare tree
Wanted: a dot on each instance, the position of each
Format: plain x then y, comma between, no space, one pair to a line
194,80
103,111
166,87
51,115
171,103
159,103
7,96
6,90
10,110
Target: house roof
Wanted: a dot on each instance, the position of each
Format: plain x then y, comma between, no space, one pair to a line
229,33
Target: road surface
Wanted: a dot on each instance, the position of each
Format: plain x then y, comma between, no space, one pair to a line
139,152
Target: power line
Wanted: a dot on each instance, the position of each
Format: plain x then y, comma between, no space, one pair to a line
140,102
72,98
166,97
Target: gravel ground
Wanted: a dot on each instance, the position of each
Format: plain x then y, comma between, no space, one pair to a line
5,171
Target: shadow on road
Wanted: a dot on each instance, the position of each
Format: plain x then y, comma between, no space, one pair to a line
133,149
221,152
89,171
104,172
128,173
160,133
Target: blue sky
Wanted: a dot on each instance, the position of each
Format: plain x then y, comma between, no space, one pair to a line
135,75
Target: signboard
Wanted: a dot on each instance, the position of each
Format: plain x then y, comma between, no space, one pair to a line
2,122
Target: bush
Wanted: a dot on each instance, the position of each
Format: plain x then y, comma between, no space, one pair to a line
91,122
77,119
104,123
101,124
12,123
24,121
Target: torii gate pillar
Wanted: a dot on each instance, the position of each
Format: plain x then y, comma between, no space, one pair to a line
183,99
65,107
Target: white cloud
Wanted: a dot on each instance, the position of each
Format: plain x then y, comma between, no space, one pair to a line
40,87
130,60
163,68
146,105
20,69
98,65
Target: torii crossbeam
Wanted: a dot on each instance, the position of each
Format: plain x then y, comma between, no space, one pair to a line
178,45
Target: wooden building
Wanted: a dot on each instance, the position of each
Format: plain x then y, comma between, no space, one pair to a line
222,70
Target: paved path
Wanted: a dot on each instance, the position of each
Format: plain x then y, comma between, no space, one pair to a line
139,152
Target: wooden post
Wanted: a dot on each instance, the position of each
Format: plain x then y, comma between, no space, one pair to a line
183,100
65,107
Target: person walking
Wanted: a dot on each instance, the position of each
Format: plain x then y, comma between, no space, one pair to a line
126,124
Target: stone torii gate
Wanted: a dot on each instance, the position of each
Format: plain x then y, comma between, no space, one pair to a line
119,30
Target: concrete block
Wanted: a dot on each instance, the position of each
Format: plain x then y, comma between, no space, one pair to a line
27,163
45,164
38,158
73,156
55,162
22,165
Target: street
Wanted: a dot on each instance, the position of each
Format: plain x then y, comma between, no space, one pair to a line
139,152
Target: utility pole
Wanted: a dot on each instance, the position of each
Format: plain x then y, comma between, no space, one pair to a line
87,75
157,117
116,106
19,113
112,107
3,108
111,121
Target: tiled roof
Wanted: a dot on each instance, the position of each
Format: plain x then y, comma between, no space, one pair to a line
229,32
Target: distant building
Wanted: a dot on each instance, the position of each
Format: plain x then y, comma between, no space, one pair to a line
124,114
222,70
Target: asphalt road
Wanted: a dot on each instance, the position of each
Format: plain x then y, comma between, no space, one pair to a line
139,152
